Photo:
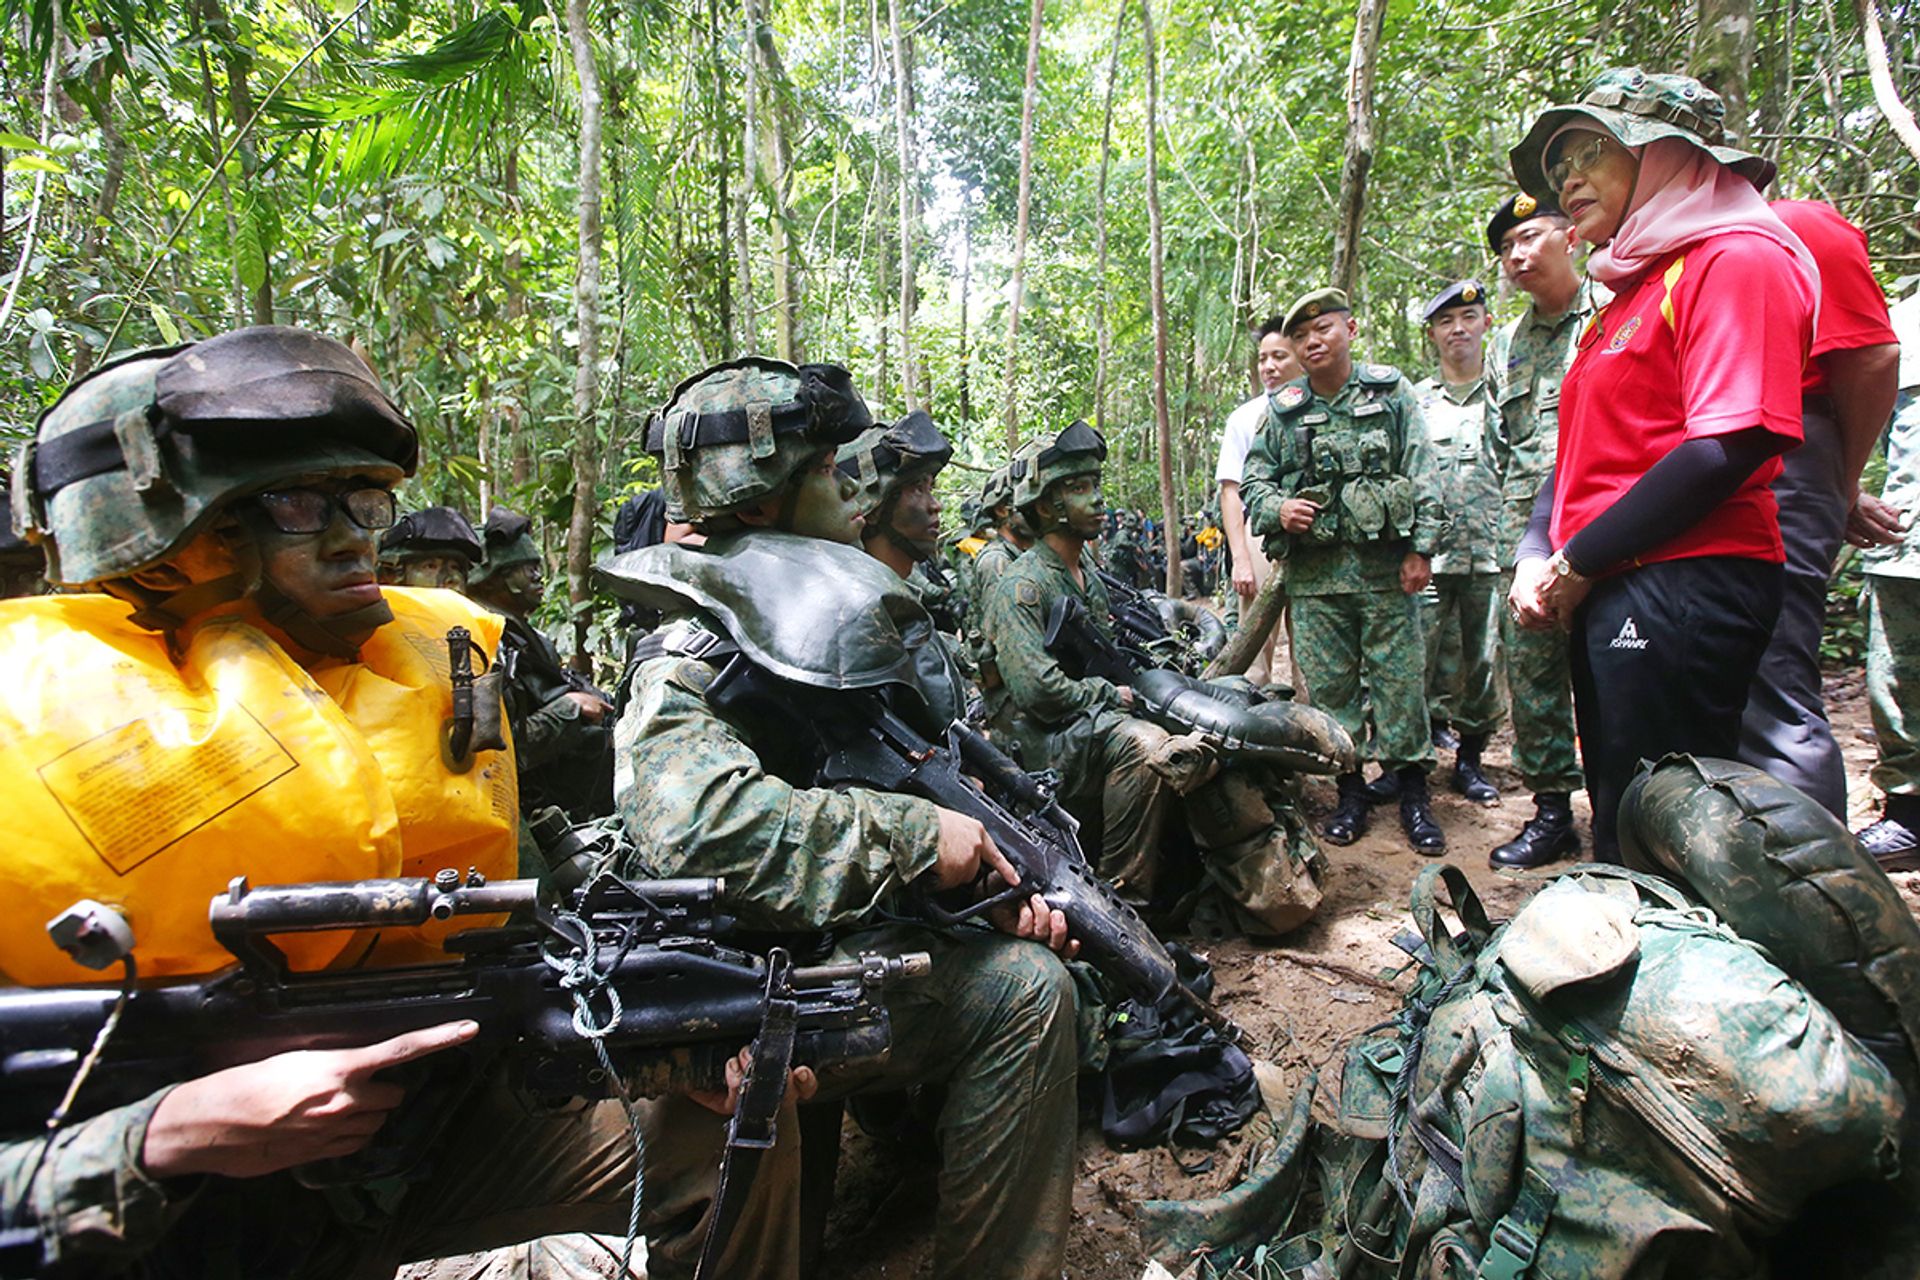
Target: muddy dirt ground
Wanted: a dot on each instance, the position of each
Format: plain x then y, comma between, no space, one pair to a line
1301,1002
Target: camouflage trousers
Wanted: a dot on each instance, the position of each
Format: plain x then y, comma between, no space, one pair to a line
994,1023
1540,682
1892,606
1461,612
1373,637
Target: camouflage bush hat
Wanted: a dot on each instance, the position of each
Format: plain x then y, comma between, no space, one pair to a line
134,460
884,460
507,539
1077,451
430,531
736,432
1636,107
1514,210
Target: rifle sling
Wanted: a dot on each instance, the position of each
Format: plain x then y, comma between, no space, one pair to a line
751,1131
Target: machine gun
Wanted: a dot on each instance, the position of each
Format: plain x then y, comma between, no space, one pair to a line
863,742
616,989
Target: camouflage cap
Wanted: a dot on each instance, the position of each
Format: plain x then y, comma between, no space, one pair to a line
507,540
1312,305
430,531
736,432
1514,210
1636,107
1077,451
1461,293
885,459
136,458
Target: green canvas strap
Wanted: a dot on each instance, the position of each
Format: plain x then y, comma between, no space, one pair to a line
1516,1237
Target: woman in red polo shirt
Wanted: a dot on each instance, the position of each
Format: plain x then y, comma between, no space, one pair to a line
1658,542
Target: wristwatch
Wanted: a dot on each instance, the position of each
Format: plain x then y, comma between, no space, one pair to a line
1561,567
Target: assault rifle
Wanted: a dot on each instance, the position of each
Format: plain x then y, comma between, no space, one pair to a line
863,742
1083,650
616,989
1134,615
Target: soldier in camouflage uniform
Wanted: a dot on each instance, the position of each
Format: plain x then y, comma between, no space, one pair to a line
1116,768
1340,484
562,726
748,454
1011,535
1525,364
1467,594
431,547
192,1180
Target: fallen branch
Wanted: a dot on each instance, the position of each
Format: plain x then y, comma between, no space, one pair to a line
1331,966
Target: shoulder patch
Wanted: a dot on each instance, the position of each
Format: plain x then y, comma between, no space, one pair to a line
1291,396
1026,593
1379,373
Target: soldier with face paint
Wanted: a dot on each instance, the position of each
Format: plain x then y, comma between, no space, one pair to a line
709,787
1252,844
432,547
895,468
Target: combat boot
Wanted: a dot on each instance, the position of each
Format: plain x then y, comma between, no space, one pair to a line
1468,780
1349,820
1416,813
1384,789
1547,837
1894,841
1444,736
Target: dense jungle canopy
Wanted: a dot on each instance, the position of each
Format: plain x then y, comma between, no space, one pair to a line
534,218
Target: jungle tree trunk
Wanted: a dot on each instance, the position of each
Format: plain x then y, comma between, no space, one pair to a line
1357,159
586,308
1103,353
1010,399
1723,52
1885,92
1163,429
903,128
743,196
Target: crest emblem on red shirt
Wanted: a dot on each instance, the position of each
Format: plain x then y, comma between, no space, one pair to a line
1622,338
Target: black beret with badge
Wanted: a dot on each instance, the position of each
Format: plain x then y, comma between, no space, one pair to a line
1514,210
1461,293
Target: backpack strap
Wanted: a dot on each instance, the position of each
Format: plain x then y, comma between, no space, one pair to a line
1450,954
1515,1239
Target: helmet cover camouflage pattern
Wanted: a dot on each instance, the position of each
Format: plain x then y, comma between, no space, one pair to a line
430,531
508,536
134,460
883,460
739,431
1077,451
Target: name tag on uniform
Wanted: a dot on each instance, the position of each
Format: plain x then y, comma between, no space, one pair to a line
1315,418
1368,410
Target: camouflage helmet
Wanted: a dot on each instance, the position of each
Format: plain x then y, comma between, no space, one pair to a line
739,431
998,489
508,536
134,460
1077,451
430,531
883,460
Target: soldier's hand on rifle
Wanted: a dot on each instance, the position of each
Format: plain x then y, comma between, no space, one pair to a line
964,845
592,709
1040,922
1126,696
1297,514
801,1082
312,1104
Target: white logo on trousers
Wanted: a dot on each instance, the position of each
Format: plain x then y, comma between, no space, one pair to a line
1629,637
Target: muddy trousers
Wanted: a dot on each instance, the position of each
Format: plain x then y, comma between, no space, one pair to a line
994,1024
1662,658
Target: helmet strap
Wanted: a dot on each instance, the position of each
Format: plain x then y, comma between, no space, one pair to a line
172,610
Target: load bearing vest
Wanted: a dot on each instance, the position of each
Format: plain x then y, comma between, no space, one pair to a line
147,779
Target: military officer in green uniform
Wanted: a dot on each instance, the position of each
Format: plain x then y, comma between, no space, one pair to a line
1525,363
1119,770
431,547
562,726
1340,483
1466,596
747,450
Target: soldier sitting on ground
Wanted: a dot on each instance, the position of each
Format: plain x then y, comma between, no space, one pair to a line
1123,774
431,547
747,450
234,543
1011,534
562,727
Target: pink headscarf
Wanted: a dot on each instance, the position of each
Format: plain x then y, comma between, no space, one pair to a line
1681,196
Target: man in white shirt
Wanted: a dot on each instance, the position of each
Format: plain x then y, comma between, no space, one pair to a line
1277,367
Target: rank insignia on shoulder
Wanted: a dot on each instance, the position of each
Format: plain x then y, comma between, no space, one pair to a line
1026,593
1291,396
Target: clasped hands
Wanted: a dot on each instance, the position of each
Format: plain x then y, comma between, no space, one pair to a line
1542,598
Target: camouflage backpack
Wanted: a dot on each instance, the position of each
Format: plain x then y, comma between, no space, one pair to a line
1614,1084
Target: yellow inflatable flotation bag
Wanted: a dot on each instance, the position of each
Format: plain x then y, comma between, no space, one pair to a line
148,781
